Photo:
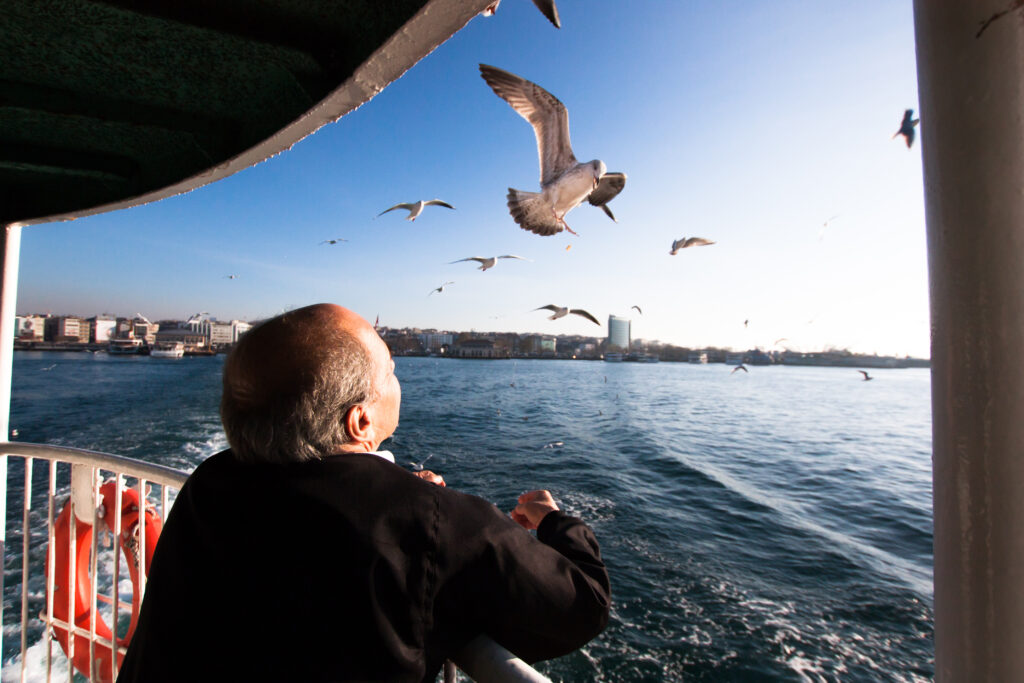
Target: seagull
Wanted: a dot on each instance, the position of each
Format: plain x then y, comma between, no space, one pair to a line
638,310
610,186
334,241
742,367
907,127
746,322
231,277
418,466
683,243
486,263
561,312
49,368
824,226
564,181
867,377
417,208
554,444
441,288
779,341
547,7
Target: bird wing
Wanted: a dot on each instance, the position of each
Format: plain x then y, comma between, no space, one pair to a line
481,259
638,310
531,212
697,242
550,307
407,207
582,313
610,186
908,115
548,9
547,115
909,135
438,202
513,256
863,373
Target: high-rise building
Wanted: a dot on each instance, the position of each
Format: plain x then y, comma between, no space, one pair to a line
618,333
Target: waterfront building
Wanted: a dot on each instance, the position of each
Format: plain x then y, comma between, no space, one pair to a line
29,327
479,348
103,329
193,340
66,328
436,341
619,333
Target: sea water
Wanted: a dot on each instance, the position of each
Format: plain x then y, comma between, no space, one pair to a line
770,526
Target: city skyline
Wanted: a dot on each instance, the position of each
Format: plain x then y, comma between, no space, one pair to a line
766,130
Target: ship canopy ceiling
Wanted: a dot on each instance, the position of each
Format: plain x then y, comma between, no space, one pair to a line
109,104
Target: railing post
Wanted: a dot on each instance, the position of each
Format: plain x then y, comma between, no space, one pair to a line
971,82
10,244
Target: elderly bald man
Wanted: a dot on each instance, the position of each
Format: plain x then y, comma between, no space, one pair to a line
304,553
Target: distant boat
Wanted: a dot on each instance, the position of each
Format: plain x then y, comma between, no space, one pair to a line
123,347
168,349
698,357
613,357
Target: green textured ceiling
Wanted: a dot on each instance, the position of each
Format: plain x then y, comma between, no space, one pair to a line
105,101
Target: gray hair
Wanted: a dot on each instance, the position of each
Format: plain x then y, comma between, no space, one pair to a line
286,394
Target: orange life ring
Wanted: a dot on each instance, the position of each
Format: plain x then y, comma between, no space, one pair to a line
129,545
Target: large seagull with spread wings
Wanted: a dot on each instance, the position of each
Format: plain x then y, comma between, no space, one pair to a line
564,181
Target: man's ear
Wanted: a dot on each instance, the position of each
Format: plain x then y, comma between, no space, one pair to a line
358,423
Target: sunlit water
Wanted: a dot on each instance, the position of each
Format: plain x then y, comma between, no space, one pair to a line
768,526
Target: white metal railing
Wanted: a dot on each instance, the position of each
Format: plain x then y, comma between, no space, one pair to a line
82,472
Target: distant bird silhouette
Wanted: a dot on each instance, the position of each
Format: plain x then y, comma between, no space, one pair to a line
547,8
441,288
746,322
824,226
418,466
638,310
335,240
562,311
779,341
486,263
907,127
231,277
867,377
742,367
564,181
47,369
684,243
416,208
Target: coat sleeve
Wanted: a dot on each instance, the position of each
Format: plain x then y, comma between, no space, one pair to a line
540,597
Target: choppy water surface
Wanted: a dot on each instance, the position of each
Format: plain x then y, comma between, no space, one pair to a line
774,526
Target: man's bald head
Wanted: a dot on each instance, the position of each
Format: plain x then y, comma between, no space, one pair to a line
289,382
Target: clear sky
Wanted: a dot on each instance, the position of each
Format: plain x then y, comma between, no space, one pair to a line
748,123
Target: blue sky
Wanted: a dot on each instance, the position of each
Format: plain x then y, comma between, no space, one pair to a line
748,123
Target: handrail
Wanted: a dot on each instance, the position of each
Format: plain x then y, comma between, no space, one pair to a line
158,474
482,659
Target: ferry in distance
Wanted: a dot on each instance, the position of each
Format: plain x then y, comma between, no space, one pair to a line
168,349
121,347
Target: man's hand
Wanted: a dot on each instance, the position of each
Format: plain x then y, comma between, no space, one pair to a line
532,508
430,476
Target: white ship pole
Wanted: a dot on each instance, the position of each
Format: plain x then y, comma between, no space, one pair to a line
8,301
972,141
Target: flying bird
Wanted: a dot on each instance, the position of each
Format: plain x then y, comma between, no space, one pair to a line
335,240
486,263
610,186
547,8
441,288
638,310
416,208
231,277
742,367
683,243
907,127
824,226
867,377
561,312
564,181
418,466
